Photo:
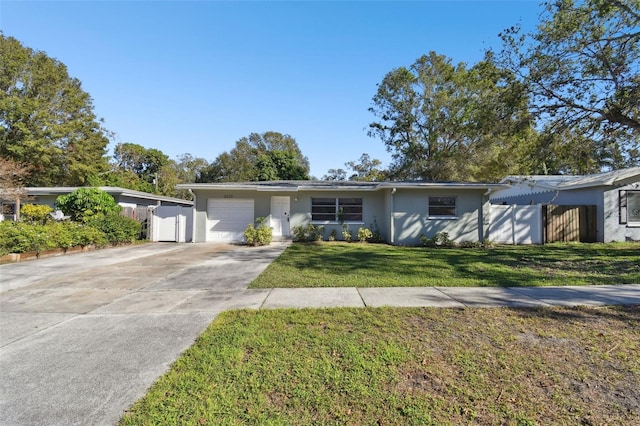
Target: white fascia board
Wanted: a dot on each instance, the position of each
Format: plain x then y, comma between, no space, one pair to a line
338,188
457,186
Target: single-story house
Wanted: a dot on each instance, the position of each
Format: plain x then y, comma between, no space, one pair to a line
127,198
400,211
124,197
614,198
164,218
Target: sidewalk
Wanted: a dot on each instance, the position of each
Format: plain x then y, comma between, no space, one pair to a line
445,297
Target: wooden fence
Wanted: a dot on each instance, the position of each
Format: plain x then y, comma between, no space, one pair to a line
142,215
569,223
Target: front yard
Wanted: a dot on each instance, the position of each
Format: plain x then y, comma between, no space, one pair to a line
427,366
378,265
391,366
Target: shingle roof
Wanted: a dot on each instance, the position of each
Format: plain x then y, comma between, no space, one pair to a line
564,182
319,185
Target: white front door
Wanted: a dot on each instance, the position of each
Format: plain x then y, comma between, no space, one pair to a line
280,216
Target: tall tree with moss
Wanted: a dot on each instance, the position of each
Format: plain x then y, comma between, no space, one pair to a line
47,120
264,156
446,122
582,68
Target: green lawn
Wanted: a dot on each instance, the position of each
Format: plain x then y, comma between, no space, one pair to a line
391,366
378,265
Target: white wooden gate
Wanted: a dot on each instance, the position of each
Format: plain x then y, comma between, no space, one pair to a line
516,224
172,223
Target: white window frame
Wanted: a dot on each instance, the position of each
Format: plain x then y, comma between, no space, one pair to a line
442,216
633,209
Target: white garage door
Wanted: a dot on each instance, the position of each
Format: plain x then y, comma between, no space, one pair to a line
228,218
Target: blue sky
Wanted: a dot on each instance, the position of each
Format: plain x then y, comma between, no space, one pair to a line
196,76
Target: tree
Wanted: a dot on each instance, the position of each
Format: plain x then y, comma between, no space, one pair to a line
280,165
365,169
434,116
146,163
189,167
84,204
142,169
335,175
12,177
581,68
47,120
266,156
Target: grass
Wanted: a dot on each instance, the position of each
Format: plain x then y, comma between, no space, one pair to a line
377,265
391,366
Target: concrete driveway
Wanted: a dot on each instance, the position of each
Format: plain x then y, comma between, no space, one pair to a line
83,336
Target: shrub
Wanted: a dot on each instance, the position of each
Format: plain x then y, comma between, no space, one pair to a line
334,235
440,239
376,236
346,234
34,213
261,235
309,232
20,237
84,204
364,234
116,228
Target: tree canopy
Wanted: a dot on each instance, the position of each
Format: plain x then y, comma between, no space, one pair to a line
266,156
434,116
364,169
46,119
84,204
581,67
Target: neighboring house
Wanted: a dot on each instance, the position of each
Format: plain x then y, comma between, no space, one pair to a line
615,197
171,216
124,197
400,211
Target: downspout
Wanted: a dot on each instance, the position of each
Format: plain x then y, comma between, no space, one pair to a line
486,215
193,217
392,229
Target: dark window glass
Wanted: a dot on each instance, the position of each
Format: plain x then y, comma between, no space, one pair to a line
333,210
633,207
442,206
351,209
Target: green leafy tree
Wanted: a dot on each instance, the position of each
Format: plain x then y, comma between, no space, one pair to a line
435,116
280,165
84,204
581,68
189,167
46,119
366,169
145,163
266,156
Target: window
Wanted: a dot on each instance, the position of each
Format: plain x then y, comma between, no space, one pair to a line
633,208
442,206
336,209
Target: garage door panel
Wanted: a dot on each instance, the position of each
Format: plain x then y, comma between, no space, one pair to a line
228,218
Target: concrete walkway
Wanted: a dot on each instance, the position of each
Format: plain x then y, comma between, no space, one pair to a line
83,336
451,297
